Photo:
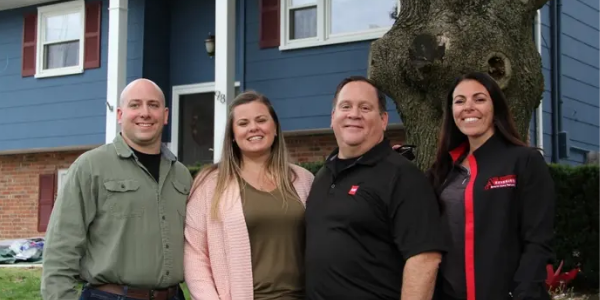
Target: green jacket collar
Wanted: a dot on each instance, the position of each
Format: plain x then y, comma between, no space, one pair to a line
124,151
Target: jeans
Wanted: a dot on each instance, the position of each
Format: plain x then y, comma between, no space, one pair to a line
92,294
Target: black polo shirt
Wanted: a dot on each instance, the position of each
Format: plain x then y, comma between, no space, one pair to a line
364,221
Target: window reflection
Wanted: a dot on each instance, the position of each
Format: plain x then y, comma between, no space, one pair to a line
360,15
63,27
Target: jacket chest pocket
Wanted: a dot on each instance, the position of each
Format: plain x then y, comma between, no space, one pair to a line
182,192
124,199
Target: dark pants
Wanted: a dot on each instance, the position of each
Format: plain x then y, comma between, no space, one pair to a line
93,294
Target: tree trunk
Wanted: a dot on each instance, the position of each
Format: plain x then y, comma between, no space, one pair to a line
434,41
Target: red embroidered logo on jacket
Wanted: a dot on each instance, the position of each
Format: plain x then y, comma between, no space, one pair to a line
353,190
501,182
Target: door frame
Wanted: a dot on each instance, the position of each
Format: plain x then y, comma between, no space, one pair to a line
177,92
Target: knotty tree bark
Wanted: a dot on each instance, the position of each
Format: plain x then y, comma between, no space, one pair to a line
434,41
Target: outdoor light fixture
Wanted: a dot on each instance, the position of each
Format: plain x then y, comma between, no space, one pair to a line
209,43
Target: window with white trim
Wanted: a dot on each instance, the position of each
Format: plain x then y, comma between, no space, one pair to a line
60,35
308,23
61,177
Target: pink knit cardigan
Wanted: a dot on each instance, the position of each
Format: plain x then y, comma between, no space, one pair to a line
217,261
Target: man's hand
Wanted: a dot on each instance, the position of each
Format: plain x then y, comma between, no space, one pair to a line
420,272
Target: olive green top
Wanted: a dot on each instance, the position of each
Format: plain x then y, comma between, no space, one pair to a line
276,244
114,223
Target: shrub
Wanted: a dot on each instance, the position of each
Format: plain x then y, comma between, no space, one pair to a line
576,222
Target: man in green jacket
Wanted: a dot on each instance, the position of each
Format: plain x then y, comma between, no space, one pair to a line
118,221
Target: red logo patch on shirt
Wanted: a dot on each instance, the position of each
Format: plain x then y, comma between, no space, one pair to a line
501,182
353,190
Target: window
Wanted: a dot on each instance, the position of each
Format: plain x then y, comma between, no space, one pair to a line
61,176
62,39
308,23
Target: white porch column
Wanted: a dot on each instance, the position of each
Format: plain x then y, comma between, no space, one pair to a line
117,63
224,68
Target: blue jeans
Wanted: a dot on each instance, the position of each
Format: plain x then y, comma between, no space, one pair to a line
92,294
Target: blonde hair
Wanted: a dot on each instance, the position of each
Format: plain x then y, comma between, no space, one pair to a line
228,169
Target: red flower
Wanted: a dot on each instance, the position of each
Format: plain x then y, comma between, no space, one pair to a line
556,279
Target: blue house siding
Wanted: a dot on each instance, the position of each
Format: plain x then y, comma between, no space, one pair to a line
301,83
156,65
135,39
64,111
191,23
579,50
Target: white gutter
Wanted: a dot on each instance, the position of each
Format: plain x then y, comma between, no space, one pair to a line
539,120
224,69
117,63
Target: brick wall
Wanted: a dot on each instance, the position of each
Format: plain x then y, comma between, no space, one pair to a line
315,147
19,180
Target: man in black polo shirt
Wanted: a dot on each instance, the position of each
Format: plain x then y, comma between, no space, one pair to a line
373,228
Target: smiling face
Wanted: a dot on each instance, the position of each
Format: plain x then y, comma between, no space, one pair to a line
253,128
142,115
356,120
473,110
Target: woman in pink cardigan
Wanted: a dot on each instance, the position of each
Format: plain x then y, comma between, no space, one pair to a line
245,216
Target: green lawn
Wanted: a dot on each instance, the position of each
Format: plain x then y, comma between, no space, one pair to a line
24,283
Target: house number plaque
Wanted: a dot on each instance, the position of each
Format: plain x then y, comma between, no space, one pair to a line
220,97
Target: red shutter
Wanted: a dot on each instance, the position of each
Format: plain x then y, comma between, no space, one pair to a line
93,14
29,45
269,23
47,191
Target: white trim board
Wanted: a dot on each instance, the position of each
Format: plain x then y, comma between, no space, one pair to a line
177,92
116,70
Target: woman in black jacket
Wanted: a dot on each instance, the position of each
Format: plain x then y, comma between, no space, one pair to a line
497,198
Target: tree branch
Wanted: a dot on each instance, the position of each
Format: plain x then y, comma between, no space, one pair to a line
413,10
538,4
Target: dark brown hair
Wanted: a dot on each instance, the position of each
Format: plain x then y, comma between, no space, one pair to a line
380,94
451,137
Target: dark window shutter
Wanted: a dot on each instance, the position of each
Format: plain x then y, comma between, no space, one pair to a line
269,23
29,45
93,15
47,191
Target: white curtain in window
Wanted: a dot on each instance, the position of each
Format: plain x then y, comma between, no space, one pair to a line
304,23
62,36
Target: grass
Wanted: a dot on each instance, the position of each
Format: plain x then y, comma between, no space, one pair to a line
20,283
24,283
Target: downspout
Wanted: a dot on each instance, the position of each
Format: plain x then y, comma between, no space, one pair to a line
242,47
556,74
539,120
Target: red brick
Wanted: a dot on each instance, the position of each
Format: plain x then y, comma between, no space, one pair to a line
19,175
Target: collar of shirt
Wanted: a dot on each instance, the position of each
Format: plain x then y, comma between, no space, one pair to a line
124,151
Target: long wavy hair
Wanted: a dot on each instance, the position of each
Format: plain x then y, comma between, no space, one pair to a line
278,167
451,137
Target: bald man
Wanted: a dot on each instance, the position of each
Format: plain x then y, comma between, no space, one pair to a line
117,224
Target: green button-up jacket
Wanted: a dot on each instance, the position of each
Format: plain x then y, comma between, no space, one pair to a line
113,223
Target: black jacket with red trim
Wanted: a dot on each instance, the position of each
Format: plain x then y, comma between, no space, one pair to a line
509,221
